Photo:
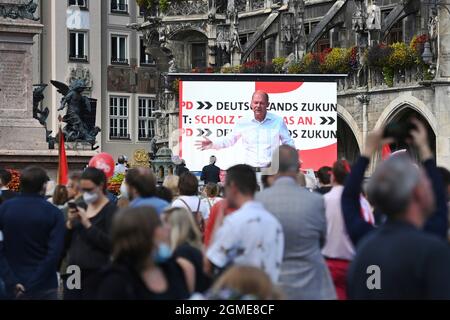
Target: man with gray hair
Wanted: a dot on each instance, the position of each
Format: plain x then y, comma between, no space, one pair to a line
398,260
304,273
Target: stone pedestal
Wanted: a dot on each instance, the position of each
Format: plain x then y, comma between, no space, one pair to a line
47,159
18,129
23,138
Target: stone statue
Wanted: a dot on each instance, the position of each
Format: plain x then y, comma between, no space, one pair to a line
19,11
432,25
235,43
38,96
357,22
362,74
290,60
78,111
172,67
374,17
153,147
27,11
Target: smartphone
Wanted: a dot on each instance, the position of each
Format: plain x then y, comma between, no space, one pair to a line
399,131
73,206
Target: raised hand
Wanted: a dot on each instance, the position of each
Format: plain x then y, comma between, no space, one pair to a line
374,142
420,139
204,144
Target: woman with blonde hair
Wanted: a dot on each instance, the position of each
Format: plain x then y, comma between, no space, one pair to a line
171,183
186,243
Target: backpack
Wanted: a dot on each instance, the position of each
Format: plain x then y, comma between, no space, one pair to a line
197,215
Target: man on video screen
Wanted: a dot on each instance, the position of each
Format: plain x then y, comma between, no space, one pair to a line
260,135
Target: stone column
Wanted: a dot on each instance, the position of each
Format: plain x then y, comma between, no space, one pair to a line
18,129
211,31
442,91
443,29
270,48
364,99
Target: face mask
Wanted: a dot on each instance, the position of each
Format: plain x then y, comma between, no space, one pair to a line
90,197
124,191
162,253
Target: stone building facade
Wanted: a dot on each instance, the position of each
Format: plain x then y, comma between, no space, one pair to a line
214,33
91,40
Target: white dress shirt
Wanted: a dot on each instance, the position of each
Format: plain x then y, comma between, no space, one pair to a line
259,139
251,236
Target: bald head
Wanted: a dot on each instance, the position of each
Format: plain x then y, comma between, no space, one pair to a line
262,94
260,102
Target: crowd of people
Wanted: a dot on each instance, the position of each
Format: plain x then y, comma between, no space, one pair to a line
232,241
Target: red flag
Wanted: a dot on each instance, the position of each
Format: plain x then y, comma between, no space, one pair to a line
63,168
386,152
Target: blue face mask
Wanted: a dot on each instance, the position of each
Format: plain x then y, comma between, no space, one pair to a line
162,253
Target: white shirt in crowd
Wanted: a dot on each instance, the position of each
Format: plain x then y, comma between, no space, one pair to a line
120,168
251,236
192,202
210,202
338,244
259,139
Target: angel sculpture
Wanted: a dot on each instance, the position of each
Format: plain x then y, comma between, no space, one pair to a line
78,125
39,113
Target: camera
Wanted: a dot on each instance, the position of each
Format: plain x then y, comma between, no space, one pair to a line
399,131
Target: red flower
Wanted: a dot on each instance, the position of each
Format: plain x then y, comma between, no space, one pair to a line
14,184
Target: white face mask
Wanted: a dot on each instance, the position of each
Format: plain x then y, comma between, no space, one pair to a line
124,191
90,197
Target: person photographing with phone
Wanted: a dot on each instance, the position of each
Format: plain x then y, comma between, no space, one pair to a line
88,233
412,133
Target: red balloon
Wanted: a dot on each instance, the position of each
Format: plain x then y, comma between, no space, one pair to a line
105,162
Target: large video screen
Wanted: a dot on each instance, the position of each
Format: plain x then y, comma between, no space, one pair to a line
216,110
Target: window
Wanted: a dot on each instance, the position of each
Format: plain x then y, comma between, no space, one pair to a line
396,32
146,120
81,3
119,6
142,11
77,46
198,55
118,118
119,50
324,42
144,57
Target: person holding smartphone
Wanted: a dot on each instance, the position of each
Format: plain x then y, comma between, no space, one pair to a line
88,233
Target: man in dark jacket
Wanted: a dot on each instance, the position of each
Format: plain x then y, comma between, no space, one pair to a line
356,226
211,172
398,260
181,169
5,179
33,239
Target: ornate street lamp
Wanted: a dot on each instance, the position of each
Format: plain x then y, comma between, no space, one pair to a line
427,55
